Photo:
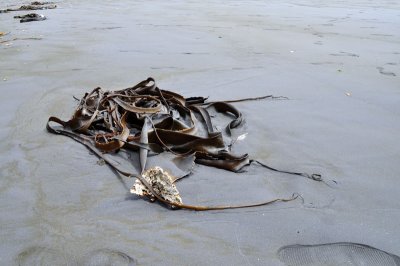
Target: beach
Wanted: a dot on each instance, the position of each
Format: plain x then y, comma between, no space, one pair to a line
337,63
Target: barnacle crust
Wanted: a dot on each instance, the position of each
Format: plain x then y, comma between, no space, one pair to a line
161,182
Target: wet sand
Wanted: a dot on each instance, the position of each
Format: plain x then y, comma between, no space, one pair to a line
338,63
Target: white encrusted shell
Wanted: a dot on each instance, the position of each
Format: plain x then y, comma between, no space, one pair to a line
161,182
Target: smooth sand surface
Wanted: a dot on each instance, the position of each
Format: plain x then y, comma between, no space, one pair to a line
338,62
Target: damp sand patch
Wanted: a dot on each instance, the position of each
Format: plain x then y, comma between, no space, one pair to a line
345,253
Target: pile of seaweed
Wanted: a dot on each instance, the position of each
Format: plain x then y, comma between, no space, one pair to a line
150,121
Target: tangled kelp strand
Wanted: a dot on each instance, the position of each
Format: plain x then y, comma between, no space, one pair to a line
144,119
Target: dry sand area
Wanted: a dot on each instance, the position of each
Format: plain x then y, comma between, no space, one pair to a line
338,62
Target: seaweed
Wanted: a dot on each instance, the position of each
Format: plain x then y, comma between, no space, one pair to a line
145,118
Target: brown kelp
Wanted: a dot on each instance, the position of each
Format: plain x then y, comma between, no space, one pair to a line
146,119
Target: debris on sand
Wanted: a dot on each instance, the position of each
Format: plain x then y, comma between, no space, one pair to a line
161,182
146,119
31,17
37,3
33,6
